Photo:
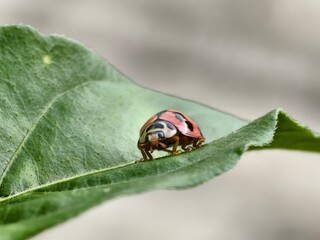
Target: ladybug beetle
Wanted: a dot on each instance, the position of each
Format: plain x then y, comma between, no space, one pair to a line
168,128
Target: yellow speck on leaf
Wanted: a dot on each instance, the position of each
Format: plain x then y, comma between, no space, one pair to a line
47,59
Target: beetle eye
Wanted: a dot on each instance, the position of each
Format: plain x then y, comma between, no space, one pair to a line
160,135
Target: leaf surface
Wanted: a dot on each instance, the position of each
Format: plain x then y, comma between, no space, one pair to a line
69,129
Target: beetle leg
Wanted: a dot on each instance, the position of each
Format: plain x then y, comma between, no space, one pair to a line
163,146
149,155
176,143
185,141
145,155
198,142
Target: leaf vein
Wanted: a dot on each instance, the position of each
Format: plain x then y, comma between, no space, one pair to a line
32,128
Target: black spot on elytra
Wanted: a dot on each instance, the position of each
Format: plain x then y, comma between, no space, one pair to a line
190,125
160,113
169,125
154,125
180,117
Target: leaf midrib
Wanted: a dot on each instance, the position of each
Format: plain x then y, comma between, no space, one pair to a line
33,127
64,180
88,174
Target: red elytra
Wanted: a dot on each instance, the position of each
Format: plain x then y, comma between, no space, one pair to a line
168,128
183,126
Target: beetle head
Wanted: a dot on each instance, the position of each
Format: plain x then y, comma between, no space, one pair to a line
155,138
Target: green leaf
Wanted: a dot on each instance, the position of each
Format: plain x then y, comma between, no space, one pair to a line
69,128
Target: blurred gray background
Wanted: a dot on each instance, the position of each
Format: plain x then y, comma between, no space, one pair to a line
245,57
